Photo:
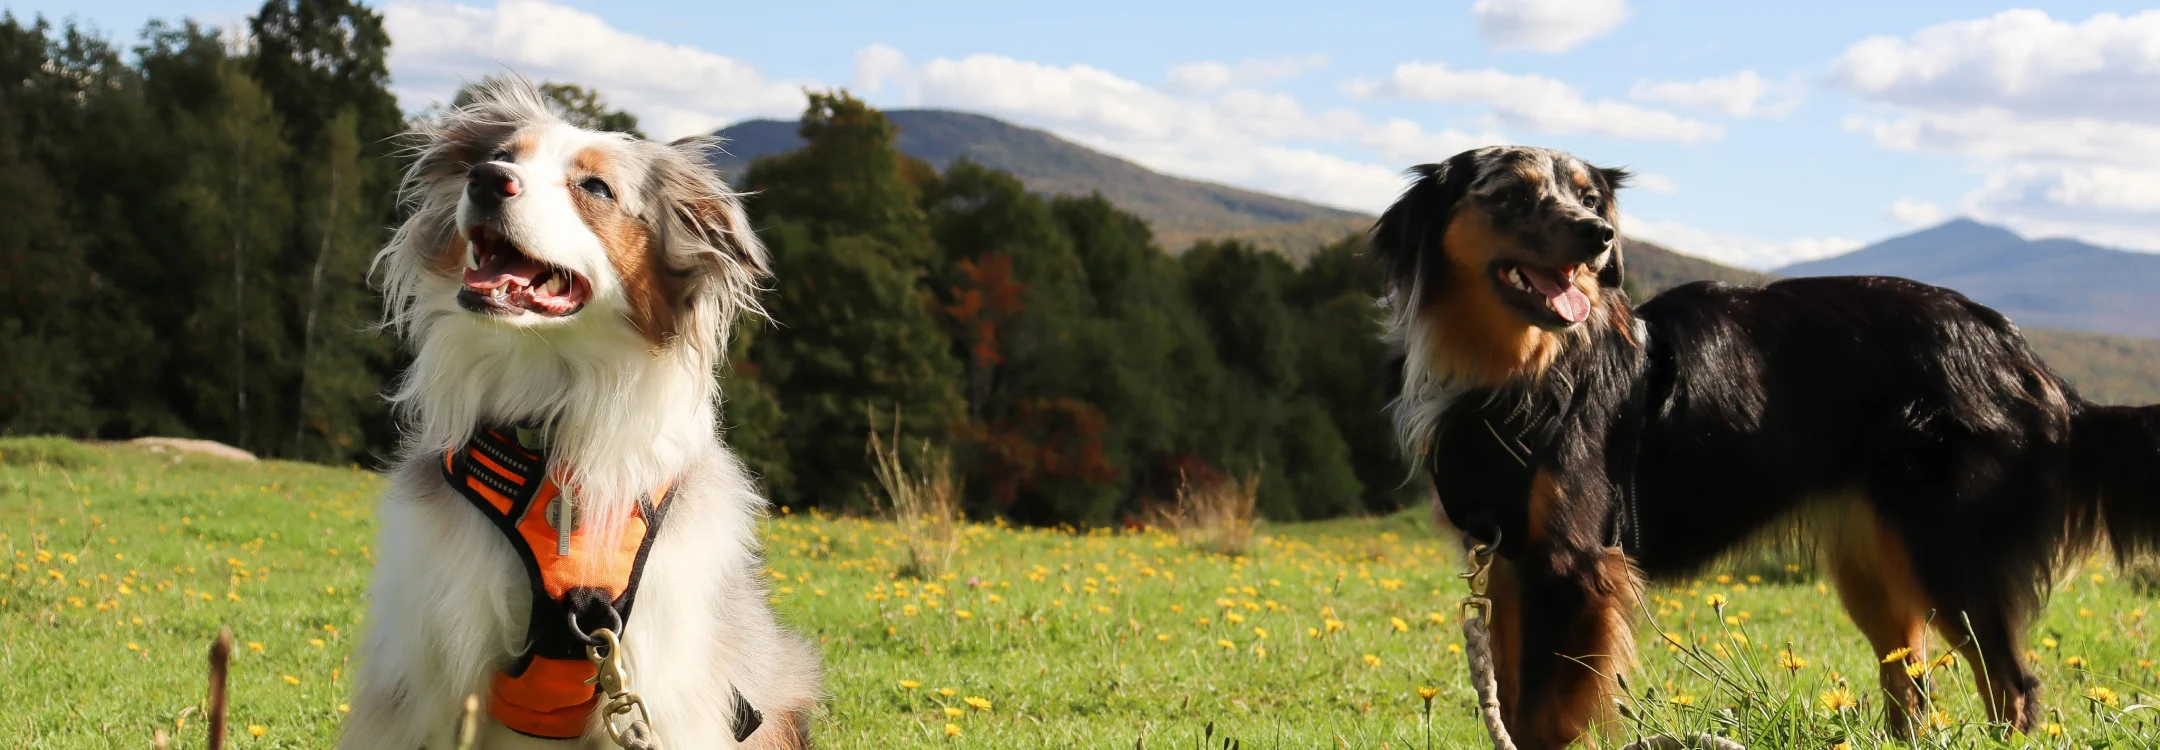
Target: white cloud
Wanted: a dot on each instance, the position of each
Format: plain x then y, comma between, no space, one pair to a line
1545,25
1653,182
877,65
1735,249
1234,137
1742,94
2059,117
1915,213
1534,102
674,89
1209,75
2020,60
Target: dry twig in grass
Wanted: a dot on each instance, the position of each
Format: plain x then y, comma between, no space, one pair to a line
1215,515
924,503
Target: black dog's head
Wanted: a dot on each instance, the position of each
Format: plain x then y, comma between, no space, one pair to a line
1538,228
1497,254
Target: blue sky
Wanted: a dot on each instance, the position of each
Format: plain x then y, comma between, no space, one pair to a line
1766,133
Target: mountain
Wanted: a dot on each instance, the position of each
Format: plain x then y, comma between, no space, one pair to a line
1180,210
2045,283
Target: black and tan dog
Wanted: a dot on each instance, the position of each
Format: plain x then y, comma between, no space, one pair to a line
1944,469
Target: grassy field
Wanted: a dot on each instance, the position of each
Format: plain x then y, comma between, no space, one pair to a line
124,563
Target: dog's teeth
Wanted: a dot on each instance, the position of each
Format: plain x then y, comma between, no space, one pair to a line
499,292
472,257
557,284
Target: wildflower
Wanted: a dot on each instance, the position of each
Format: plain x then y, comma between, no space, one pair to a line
1790,661
952,730
963,614
1916,670
1436,618
1225,643
1400,626
291,680
1427,693
1454,648
909,684
1233,618
1939,720
980,704
1371,660
953,711
1162,637
316,642
1259,632
1838,699
344,708
133,647
2048,642
1716,601
947,692
1896,654
2052,729
2075,661
1683,699
257,730
1332,625
1312,632
2101,694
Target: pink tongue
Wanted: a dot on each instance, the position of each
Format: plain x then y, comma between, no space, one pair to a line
1565,298
504,267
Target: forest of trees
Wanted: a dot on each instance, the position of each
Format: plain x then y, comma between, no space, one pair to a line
187,248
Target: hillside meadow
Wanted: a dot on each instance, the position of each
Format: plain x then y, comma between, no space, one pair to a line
124,562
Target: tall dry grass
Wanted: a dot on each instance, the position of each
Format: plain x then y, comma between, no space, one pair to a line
924,501
1213,514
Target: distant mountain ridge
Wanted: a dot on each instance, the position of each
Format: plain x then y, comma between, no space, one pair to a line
1179,210
2044,283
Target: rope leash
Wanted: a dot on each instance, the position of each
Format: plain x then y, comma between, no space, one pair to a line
1484,679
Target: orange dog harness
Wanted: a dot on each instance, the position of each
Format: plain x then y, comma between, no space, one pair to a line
547,691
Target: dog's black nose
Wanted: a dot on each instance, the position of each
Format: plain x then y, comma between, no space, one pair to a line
1595,230
491,183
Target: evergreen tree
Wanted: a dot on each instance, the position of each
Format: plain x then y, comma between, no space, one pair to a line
854,334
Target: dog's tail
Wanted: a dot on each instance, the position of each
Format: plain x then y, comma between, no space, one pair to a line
2116,474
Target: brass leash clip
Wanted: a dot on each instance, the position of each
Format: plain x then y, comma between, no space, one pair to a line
1479,576
613,679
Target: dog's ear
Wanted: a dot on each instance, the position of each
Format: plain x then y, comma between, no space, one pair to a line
714,261
1412,228
1615,273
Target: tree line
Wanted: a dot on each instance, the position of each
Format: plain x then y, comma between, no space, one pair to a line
189,250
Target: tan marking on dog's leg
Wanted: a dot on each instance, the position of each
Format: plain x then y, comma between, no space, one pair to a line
1875,581
787,729
1600,645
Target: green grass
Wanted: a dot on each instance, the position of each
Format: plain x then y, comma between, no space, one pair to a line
1084,640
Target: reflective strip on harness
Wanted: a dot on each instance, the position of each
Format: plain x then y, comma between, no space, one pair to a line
542,692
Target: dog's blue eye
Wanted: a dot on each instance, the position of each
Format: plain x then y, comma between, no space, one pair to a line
598,187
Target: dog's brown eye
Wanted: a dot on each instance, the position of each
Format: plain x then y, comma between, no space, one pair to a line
1591,201
598,187
502,155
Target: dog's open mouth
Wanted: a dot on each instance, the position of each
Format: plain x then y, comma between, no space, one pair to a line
1546,290
501,279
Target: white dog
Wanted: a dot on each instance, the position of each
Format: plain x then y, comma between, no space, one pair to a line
568,295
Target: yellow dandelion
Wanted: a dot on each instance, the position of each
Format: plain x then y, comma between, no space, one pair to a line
1683,699
1715,601
1225,643
2048,642
1371,660
1332,625
316,642
1454,648
1916,670
2101,694
344,708
1896,654
1259,632
1427,693
131,646
1312,632
2075,661
980,704
1838,699
963,614
909,684
947,692
1162,637
952,730
2052,729
291,680
1399,625
1790,661
257,730
953,711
